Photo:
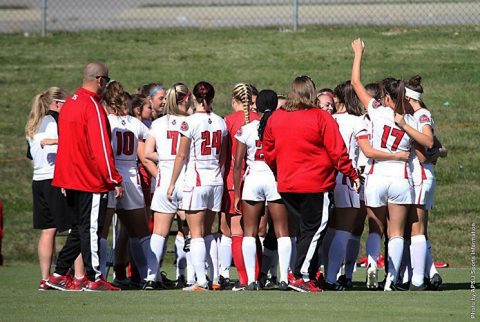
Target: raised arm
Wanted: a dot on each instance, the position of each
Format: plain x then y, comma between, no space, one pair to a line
358,47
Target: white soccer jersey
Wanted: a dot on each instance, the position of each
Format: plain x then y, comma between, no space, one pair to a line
248,135
365,133
166,131
425,171
388,137
126,131
44,158
206,131
350,127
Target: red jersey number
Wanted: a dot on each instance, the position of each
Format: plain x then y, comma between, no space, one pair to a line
259,152
387,132
211,140
125,142
173,135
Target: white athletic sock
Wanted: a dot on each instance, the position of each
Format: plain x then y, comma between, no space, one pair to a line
138,256
225,254
430,268
198,253
405,272
151,257
327,241
156,247
190,268
181,259
373,245
160,262
284,254
262,239
395,252
212,257
336,255
418,252
103,256
353,248
293,258
249,249
267,259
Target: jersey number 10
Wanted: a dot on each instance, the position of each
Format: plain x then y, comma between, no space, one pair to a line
125,142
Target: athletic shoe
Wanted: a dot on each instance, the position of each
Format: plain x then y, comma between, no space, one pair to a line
215,286
270,284
334,287
313,287
283,286
100,285
77,284
320,279
300,285
441,265
345,282
403,286
60,282
149,286
372,281
166,281
180,283
43,286
291,277
123,284
196,288
224,283
434,283
252,287
238,287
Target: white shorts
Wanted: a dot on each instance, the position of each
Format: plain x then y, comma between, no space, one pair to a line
425,193
160,202
260,186
132,192
202,198
381,190
344,194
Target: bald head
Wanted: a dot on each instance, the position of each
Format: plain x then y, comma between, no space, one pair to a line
92,70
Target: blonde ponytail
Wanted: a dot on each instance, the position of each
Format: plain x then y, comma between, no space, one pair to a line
243,93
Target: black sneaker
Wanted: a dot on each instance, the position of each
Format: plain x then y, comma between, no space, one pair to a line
181,283
435,282
252,287
166,281
283,286
345,282
334,287
271,284
415,288
149,286
238,287
224,283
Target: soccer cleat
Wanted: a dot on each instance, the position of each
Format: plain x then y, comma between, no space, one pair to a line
180,283
270,284
372,281
123,284
238,287
149,286
334,287
224,283
415,288
77,284
291,277
100,285
196,288
43,286
60,282
434,283
300,285
252,287
166,281
283,286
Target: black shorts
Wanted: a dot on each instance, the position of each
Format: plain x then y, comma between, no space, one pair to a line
50,207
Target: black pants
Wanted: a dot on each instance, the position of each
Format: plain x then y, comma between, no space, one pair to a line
310,212
89,215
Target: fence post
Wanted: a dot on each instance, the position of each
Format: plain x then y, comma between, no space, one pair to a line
295,15
43,9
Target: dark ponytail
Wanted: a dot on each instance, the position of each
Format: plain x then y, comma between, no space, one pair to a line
395,88
267,101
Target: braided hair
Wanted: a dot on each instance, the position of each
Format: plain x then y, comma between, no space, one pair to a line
242,92
267,101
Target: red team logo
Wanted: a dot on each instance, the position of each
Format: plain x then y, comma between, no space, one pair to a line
424,119
376,104
184,126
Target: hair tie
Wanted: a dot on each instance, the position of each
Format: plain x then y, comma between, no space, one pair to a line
267,110
156,89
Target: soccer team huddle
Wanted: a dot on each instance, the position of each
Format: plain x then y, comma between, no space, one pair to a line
291,180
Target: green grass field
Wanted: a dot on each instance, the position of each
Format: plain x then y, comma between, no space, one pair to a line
20,301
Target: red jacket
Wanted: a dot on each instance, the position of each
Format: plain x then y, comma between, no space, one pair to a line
84,159
305,148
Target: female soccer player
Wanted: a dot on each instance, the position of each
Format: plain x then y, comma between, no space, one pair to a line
203,144
155,92
127,143
49,205
164,138
259,187
242,100
388,182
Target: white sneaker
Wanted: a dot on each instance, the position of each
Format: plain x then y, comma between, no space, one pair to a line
372,280
196,288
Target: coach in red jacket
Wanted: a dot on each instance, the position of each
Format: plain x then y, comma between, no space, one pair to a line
85,168
303,145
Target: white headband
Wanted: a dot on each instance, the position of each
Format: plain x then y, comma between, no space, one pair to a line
413,94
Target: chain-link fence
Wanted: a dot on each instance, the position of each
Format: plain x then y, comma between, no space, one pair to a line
71,15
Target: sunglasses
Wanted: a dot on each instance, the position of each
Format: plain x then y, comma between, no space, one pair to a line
106,78
59,101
